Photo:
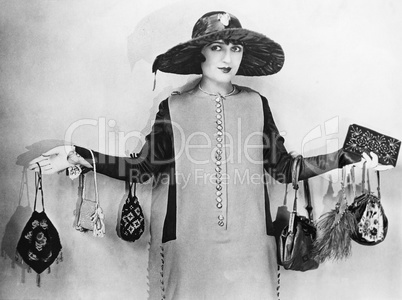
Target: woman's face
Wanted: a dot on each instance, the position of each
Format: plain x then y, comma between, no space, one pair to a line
221,61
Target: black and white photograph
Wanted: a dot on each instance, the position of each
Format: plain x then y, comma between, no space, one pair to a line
197,150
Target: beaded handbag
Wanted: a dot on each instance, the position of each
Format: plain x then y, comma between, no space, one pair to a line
39,245
372,223
132,218
360,139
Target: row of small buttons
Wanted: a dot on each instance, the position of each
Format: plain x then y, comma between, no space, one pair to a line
218,157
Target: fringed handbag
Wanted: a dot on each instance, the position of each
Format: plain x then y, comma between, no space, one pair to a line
89,215
334,230
132,218
296,240
39,245
372,223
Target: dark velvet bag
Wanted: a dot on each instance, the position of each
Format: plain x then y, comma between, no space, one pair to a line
296,240
39,245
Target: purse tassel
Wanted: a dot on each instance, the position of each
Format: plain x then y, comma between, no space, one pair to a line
334,230
98,219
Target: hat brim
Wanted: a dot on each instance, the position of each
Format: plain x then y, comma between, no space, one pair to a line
262,56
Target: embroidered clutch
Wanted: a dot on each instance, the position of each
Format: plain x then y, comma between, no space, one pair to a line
360,139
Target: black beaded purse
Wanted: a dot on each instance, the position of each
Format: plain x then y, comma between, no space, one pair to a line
132,221
39,245
360,139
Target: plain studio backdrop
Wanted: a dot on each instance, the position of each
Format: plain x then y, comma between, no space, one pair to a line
82,70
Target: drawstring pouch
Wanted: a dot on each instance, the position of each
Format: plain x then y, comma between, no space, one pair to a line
39,245
89,215
132,218
372,223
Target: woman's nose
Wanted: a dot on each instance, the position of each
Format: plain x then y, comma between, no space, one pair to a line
227,58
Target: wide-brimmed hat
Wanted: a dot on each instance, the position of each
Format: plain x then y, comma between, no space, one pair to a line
262,56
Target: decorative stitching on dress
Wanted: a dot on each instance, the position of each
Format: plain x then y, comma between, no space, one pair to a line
162,253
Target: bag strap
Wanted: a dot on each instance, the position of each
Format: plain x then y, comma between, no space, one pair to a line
24,184
285,198
295,179
363,177
353,177
364,171
130,188
295,184
378,185
307,196
344,197
38,186
95,181
82,177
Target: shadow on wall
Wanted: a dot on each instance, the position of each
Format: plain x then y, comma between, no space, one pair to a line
15,226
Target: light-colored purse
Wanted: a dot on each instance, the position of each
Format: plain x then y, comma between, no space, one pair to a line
89,215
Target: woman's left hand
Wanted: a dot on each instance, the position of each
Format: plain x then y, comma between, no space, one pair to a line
370,160
53,161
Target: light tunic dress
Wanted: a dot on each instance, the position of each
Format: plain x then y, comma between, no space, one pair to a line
211,239
220,251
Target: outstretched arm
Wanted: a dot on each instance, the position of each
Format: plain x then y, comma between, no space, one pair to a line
156,153
278,161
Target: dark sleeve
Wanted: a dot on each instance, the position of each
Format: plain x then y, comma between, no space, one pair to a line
278,162
156,153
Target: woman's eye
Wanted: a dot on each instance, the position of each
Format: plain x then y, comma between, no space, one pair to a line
237,49
215,48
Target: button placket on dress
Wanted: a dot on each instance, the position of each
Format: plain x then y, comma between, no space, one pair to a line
219,156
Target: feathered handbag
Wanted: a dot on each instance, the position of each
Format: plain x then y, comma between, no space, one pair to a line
372,223
39,245
334,230
296,240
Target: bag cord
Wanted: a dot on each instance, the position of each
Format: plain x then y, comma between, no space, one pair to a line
38,186
24,184
364,172
98,217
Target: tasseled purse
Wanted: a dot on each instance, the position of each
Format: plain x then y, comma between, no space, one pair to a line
334,230
39,245
89,214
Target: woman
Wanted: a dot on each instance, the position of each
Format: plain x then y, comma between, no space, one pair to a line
216,241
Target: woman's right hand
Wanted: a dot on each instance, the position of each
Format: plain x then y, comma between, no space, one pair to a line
55,160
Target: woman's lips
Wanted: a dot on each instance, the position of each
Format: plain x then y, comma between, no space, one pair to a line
225,69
